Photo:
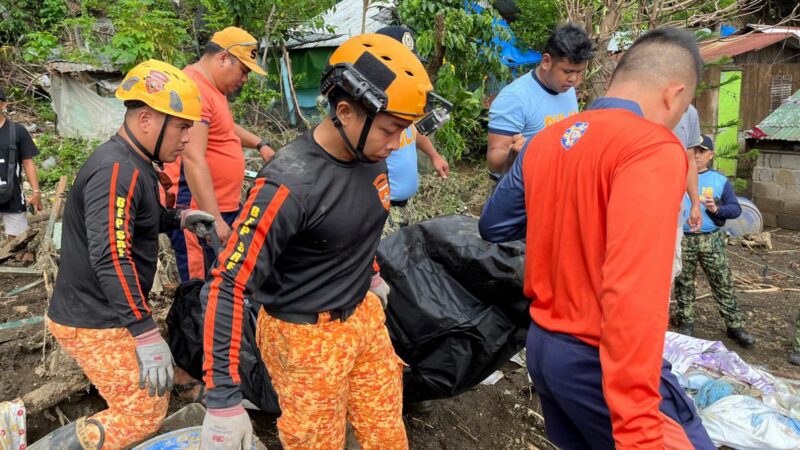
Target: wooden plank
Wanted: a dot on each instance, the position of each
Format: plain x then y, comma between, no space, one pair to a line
54,212
20,270
20,241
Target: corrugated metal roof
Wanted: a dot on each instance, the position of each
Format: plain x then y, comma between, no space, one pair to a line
738,44
345,19
783,124
64,66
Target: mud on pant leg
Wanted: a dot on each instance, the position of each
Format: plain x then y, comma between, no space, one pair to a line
684,288
108,358
375,404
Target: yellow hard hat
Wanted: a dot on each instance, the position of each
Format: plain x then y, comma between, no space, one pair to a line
162,87
240,44
390,70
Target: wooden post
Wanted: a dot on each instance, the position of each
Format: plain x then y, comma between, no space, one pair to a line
291,85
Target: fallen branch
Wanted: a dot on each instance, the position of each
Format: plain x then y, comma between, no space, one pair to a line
52,393
760,264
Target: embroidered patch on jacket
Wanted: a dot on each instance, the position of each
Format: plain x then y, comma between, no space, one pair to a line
573,134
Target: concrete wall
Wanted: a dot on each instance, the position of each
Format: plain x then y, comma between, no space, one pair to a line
776,189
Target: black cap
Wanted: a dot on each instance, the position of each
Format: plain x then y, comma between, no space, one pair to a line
2,95
707,144
402,34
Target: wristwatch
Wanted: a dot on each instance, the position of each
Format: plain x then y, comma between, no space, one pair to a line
262,143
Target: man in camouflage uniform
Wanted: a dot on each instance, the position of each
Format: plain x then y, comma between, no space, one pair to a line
718,203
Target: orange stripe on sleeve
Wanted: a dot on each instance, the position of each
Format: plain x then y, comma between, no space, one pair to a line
213,294
112,241
128,238
249,263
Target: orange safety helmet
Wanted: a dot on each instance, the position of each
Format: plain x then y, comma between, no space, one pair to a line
380,73
162,87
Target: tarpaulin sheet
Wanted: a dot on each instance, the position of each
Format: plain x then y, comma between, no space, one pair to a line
82,113
456,312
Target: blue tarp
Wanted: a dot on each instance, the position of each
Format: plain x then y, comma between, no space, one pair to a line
726,30
510,54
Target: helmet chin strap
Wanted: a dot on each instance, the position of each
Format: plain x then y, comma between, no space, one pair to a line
358,151
154,157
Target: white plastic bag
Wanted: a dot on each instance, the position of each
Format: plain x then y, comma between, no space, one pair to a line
746,423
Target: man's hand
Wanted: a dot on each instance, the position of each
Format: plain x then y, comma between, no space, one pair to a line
192,219
155,363
695,218
516,143
266,152
441,166
35,199
223,230
380,289
227,429
710,204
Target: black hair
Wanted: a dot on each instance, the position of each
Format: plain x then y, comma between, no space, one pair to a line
569,42
212,48
337,95
660,51
134,104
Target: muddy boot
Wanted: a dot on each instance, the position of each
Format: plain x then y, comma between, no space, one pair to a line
741,337
794,357
73,436
687,329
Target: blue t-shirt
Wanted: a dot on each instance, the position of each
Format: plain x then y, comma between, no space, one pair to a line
402,166
526,106
717,186
688,129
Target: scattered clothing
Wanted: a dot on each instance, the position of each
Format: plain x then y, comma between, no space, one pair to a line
13,433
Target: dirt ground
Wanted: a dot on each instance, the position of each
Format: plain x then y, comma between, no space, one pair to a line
502,416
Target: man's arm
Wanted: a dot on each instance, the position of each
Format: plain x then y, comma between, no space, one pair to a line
504,217
440,164
692,185
635,286
251,140
110,197
502,151
198,176
269,219
33,178
729,207
506,121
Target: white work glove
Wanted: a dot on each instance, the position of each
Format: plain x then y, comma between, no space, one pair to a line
380,288
191,218
155,363
227,429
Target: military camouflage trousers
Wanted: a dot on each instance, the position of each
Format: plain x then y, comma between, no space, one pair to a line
709,251
331,371
399,216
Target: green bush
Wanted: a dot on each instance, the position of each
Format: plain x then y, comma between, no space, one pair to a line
470,61
69,154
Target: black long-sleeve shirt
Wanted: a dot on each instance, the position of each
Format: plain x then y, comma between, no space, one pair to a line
304,243
109,247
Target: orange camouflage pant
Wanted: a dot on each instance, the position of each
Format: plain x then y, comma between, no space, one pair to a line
108,358
332,371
